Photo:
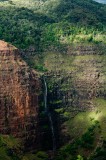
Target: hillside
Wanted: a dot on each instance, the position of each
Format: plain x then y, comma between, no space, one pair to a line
41,24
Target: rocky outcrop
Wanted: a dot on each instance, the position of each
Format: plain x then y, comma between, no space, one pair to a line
19,88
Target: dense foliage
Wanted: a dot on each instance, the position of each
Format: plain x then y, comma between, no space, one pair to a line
12,149
21,26
47,22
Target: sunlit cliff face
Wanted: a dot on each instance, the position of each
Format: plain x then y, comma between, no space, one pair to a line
18,93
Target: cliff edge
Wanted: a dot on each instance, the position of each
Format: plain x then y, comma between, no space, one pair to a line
19,87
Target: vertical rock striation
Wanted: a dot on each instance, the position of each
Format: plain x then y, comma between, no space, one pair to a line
76,88
19,87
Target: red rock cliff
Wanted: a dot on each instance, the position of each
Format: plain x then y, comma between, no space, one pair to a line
18,95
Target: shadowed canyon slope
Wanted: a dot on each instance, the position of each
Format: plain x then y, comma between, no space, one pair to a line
76,83
19,88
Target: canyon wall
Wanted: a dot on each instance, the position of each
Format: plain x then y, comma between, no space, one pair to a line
76,94
76,83
19,89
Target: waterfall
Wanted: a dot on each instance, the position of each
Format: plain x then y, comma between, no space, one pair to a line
49,115
45,96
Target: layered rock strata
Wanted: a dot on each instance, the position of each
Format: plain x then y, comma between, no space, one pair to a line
76,86
19,87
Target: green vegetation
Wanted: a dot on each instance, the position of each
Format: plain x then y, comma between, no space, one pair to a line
11,149
40,23
20,26
79,157
87,130
80,145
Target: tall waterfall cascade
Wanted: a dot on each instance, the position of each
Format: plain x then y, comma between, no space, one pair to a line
49,115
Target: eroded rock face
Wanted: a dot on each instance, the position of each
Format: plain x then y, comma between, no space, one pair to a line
19,87
76,86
